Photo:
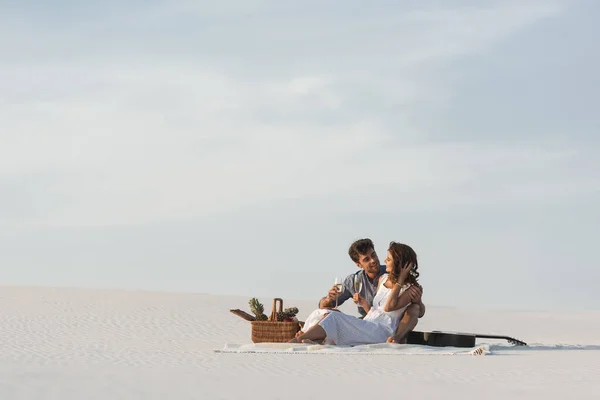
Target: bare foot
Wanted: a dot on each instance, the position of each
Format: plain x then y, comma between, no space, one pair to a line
396,339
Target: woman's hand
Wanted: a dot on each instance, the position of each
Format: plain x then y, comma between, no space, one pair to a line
405,271
361,301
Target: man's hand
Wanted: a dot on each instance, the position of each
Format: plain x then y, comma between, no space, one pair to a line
329,300
333,294
415,292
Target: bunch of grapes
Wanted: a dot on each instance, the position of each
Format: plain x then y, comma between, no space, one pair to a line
287,315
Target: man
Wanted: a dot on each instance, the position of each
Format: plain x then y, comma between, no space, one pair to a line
362,252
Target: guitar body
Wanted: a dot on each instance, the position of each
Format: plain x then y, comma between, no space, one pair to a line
441,339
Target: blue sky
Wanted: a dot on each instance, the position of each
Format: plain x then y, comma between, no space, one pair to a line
240,147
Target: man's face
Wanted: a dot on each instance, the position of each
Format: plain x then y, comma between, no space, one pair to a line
369,262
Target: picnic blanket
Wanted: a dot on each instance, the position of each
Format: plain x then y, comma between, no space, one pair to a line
377,349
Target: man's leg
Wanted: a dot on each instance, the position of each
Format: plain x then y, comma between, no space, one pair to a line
314,334
312,319
407,324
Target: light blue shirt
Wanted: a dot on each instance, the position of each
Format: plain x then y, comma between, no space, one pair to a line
368,290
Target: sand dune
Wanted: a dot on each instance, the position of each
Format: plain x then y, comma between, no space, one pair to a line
62,343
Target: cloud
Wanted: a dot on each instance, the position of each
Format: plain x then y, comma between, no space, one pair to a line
128,140
162,141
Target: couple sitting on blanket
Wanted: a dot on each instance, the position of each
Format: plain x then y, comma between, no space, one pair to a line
389,300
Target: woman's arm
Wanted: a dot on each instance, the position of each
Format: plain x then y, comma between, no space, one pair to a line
361,300
396,300
363,303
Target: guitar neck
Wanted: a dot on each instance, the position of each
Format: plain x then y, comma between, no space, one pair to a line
510,339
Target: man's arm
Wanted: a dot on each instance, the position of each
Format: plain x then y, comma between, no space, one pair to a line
416,298
326,302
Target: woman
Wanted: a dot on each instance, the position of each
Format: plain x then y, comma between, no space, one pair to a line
382,317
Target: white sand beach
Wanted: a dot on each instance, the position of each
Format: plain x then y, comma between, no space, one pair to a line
67,343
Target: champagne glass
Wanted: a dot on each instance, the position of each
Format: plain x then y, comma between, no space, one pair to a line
338,287
357,284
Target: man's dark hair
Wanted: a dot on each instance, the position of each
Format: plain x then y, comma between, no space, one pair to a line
359,247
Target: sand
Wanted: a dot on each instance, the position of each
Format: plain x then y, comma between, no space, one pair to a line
63,343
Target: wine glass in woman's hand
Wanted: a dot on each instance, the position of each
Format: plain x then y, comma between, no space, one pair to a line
361,301
357,284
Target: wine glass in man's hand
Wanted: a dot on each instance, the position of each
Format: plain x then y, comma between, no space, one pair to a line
339,287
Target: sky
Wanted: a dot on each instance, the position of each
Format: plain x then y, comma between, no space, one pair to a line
240,147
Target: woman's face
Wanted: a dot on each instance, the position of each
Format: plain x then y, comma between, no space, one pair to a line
389,263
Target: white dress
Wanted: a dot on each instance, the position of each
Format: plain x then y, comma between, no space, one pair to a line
348,330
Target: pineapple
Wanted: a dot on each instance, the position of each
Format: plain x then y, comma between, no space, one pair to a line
257,309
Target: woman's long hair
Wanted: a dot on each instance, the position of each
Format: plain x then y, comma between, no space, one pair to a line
403,254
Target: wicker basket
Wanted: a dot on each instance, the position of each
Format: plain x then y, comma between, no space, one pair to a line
273,331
